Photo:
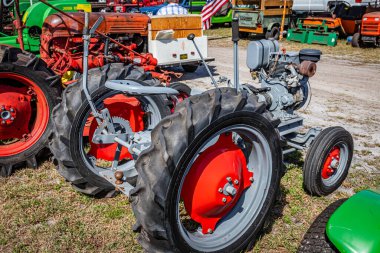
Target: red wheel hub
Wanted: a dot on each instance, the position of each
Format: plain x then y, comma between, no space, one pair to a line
128,108
24,113
332,163
215,183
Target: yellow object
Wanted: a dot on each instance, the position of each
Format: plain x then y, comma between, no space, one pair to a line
84,7
25,17
67,77
283,21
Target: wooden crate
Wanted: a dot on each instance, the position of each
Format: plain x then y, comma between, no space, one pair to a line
182,25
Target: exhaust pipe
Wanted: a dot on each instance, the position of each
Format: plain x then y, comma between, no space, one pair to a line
235,39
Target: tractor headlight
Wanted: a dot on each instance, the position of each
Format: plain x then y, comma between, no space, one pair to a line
365,19
377,19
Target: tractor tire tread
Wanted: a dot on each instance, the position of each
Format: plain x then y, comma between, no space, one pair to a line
14,59
64,114
315,240
157,164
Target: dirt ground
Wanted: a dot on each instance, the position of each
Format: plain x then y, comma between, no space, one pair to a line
40,212
345,93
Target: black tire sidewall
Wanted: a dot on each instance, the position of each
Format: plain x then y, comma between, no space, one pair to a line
356,40
264,127
51,98
318,154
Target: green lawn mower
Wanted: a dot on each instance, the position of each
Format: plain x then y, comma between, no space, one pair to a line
346,226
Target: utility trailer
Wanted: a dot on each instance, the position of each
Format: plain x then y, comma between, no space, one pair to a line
260,17
168,43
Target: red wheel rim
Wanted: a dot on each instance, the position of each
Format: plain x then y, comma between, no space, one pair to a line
122,106
331,163
33,116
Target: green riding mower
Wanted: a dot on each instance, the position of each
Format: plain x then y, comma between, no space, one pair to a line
351,225
205,177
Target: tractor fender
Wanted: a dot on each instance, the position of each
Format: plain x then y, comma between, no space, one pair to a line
355,226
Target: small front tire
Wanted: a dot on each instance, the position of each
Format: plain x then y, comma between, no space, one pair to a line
328,160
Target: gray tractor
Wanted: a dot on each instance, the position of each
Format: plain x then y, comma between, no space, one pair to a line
203,176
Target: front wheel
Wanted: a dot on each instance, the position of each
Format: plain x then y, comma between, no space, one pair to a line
328,160
210,177
356,40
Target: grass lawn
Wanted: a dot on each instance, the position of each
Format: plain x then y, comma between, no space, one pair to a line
39,211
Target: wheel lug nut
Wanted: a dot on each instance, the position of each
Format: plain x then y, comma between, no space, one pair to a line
229,179
11,110
220,190
224,200
236,181
209,231
12,119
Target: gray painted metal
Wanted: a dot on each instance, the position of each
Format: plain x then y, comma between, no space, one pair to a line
204,62
135,88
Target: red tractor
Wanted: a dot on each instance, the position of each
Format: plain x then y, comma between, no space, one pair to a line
30,86
370,31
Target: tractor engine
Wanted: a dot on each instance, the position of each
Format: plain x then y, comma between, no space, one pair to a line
62,41
283,75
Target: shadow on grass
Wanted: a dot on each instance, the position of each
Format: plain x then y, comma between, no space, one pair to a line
292,161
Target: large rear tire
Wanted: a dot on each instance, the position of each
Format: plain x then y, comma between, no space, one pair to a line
28,93
69,142
166,174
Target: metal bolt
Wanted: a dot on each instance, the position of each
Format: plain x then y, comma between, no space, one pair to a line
209,231
119,182
220,190
236,181
119,175
12,119
11,110
229,179
252,179
231,190
224,200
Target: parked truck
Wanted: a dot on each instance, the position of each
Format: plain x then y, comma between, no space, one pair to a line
260,17
306,7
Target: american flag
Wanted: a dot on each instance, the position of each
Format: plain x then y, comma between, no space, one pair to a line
209,10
